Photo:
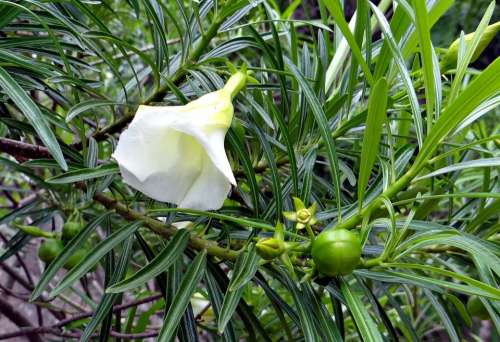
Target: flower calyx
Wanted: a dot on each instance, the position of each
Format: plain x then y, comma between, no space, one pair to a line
302,215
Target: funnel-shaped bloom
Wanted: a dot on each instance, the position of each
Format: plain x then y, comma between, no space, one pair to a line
176,153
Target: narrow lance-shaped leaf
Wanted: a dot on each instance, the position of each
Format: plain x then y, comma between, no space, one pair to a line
465,59
441,311
108,299
84,174
244,270
469,164
405,75
337,13
182,297
485,85
322,121
60,260
485,289
87,105
33,114
377,105
426,51
98,252
366,326
159,264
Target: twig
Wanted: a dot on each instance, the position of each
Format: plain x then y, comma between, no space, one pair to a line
34,331
55,329
167,231
17,318
16,276
116,308
20,149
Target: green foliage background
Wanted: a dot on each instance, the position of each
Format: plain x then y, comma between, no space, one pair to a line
324,116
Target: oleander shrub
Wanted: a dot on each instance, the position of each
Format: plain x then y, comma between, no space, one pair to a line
248,170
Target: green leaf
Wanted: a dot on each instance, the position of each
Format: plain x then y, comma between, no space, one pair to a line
9,13
366,326
426,53
445,318
231,300
181,299
33,114
76,243
87,105
469,164
216,297
306,316
334,7
476,285
470,49
244,270
377,105
321,120
98,252
159,264
328,328
108,299
405,76
480,89
84,174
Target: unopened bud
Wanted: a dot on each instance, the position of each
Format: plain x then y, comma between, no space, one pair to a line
270,248
34,231
450,59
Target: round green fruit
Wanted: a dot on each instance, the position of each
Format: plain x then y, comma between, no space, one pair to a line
76,258
336,252
70,230
476,308
49,250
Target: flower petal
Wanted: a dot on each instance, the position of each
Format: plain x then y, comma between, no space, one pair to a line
209,190
172,172
212,139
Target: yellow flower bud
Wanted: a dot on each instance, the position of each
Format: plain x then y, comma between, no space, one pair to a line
270,248
451,56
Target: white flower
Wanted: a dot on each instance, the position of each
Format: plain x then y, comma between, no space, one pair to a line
176,153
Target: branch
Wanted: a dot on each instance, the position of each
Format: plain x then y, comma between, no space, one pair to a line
155,225
17,318
55,329
31,332
164,230
116,308
20,149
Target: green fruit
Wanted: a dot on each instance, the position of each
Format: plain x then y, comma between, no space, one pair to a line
70,230
49,250
76,258
476,308
336,252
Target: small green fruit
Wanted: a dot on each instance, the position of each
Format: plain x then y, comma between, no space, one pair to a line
336,252
476,308
70,230
76,258
49,250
